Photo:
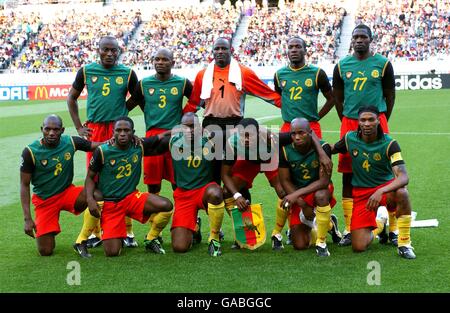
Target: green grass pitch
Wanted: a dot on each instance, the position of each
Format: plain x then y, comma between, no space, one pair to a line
420,123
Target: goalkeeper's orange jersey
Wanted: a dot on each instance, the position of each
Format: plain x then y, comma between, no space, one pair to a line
225,99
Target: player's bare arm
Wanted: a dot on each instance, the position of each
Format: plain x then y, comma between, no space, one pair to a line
29,225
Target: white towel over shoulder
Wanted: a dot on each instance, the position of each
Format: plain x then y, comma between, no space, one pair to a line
234,76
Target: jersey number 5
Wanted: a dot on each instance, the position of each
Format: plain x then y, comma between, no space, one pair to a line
106,90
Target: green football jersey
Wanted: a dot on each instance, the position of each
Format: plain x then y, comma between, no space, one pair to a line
121,171
371,165
107,90
362,83
194,170
299,92
53,170
163,101
304,168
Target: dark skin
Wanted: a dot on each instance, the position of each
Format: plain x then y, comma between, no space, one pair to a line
51,129
108,52
301,134
233,184
396,193
182,237
163,63
123,138
296,54
361,50
222,52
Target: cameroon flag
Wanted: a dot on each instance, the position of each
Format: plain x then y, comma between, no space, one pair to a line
249,228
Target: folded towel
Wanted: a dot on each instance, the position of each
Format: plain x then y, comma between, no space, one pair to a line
234,76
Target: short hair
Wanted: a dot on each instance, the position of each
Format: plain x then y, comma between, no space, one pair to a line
124,118
299,38
223,38
55,117
368,108
363,26
107,37
249,121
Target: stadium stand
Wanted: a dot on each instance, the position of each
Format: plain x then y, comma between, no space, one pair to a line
318,23
65,39
408,30
189,32
69,41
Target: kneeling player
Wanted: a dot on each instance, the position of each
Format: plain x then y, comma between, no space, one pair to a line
48,165
119,169
308,187
192,162
379,179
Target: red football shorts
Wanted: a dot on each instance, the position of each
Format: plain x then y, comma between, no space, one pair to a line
349,124
113,214
361,217
309,199
315,126
187,203
47,211
157,167
100,132
247,171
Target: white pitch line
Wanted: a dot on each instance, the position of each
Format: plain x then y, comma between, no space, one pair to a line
270,117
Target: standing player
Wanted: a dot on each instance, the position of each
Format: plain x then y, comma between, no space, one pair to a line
221,89
118,167
192,161
362,78
379,178
107,84
308,187
48,165
160,97
299,84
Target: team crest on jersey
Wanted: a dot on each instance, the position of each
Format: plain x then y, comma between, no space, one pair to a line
44,162
205,151
375,74
348,75
293,165
315,164
283,83
151,91
67,156
174,91
377,157
119,80
355,152
94,79
180,149
308,82
112,162
135,158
